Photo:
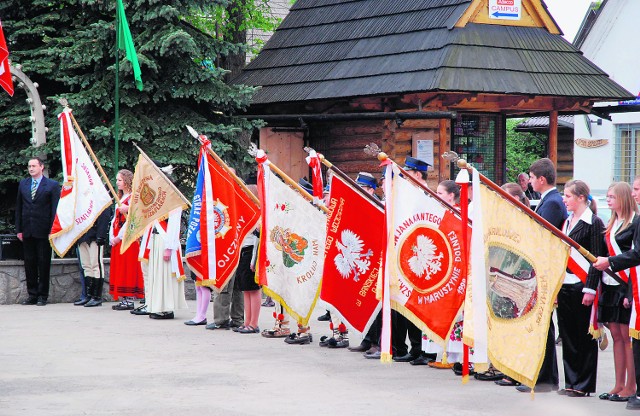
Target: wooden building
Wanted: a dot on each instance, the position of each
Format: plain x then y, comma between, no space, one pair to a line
339,74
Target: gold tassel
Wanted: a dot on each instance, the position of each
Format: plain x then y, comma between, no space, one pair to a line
634,333
386,358
465,379
444,358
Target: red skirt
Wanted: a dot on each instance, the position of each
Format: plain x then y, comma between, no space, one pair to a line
125,275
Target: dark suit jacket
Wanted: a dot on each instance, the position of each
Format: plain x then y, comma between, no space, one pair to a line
34,218
552,209
591,237
631,257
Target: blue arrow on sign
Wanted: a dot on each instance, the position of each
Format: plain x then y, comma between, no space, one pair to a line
498,14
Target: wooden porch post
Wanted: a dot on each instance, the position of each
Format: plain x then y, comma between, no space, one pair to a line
553,137
444,145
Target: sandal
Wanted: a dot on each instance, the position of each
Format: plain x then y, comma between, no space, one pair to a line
277,332
492,374
299,338
507,382
249,330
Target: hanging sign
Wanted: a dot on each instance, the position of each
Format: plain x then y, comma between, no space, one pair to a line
505,9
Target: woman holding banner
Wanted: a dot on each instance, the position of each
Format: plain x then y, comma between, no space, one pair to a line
614,309
125,275
576,297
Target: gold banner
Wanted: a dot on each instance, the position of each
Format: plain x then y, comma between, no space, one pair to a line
525,267
153,197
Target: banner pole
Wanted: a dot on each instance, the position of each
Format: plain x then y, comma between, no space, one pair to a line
462,164
224,166
93,156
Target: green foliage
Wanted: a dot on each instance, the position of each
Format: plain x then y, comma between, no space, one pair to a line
522,149
68,47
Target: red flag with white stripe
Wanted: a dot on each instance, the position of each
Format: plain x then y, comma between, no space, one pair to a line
83,196
5,71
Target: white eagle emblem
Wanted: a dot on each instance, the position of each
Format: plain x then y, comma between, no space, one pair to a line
425,261
351,260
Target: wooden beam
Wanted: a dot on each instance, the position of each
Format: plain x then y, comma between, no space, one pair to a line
553,136
444,168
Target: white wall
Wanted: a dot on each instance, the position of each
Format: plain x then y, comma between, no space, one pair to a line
613,46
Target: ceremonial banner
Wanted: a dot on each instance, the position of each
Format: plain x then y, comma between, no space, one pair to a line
222,214
428,268
293,232
353,252
5,71
65,212
525,268
153,197
83,197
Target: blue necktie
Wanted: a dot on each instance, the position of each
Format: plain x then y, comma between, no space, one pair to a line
34,188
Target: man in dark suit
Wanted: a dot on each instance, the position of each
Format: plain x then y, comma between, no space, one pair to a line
35,211
542,176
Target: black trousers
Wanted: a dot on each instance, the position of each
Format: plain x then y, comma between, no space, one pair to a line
579,349
37,265
549,370
375,330
400,326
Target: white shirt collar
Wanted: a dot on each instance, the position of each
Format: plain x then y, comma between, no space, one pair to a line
542,195
587,216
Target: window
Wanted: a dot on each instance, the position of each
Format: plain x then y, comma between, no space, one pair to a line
474,139
627,149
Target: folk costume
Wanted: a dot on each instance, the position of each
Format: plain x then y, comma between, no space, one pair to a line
166,277
125,277
90,254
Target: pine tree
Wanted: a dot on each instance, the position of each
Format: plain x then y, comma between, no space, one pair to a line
67,46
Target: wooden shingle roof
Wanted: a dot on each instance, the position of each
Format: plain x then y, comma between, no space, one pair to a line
326,49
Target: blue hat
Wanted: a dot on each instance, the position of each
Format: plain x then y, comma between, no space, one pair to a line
411,163
366,179
306,185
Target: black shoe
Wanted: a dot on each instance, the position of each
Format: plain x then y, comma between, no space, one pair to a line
363,347
633,403
225,325
93,302
325,317
192,323
123,306
404,358
161,315
30,301
140,310
41,302
82,302
422,360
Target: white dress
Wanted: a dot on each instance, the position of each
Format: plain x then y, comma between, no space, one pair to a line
166,278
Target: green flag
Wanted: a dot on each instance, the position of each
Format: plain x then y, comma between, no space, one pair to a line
125,43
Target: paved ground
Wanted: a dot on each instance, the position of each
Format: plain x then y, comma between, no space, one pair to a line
66,360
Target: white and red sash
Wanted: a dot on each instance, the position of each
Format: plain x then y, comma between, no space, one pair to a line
627,275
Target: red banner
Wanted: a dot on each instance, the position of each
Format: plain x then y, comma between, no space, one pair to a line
5,71
353,250
222,215
426,260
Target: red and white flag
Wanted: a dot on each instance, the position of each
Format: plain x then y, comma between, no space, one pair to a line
314,162
83,196
222,214
292,244
5,71
425,259
353,252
